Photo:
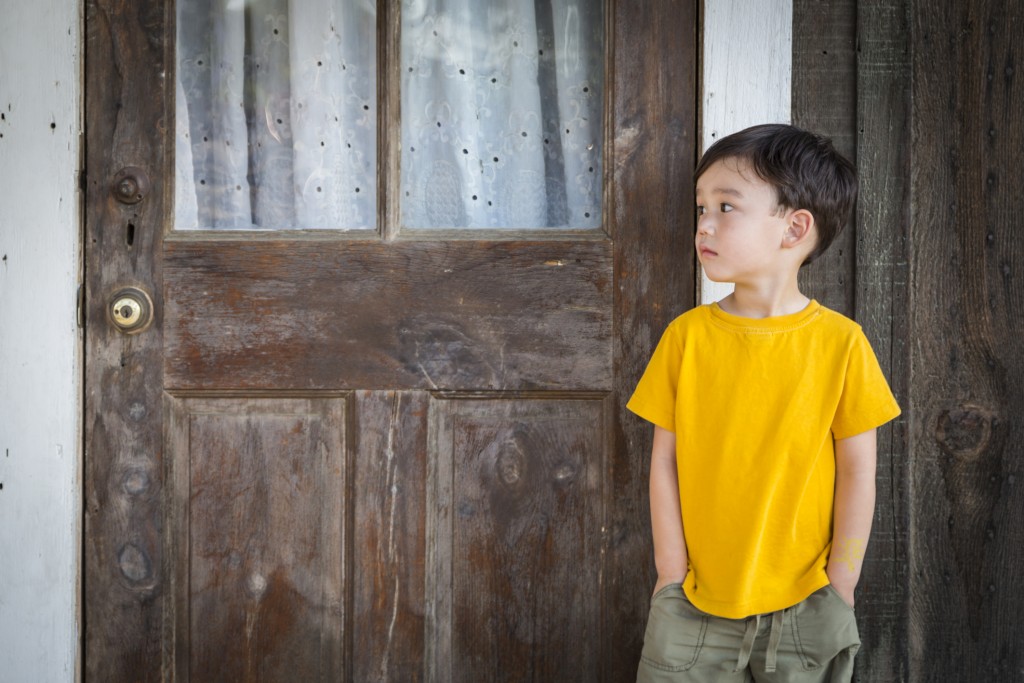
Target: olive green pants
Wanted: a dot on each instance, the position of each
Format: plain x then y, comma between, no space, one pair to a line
813,641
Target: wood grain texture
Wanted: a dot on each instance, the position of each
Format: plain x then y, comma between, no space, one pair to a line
967,380
851,82
851,76
389,535
123,554
825,101
256,324
258,503
882,307
652,156
515,500
402,315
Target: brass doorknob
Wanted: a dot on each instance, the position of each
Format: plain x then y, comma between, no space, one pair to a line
130,310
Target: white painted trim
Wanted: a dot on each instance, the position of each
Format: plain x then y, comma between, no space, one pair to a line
40,344
748,64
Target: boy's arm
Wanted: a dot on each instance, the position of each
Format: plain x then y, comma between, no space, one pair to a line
670,557
853,511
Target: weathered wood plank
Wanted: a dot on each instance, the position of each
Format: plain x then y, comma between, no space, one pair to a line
881,305
257,508
285,317
825,101
652,155
851,82
123,555
967,381
402,315
389,535
515,500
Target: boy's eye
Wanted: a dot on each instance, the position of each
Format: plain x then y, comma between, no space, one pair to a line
726,208
700,210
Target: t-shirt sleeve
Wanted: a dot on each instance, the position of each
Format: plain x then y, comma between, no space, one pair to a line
866,401
655,396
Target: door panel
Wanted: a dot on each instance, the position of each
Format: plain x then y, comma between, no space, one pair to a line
390,534
515,486
456,315
378,458
257,503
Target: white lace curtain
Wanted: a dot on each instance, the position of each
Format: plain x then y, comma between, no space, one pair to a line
501,114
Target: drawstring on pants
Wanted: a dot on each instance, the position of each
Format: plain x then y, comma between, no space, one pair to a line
774,638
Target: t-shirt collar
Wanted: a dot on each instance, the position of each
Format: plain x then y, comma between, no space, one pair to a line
778,323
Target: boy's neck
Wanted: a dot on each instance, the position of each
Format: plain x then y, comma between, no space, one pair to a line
752,301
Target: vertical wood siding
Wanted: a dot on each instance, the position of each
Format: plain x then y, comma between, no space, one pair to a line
851,82
825,101
967,377
652,158
926,97
881,306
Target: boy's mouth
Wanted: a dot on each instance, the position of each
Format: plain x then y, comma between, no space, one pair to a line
704,251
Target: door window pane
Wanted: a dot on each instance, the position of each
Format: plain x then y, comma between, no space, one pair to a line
276,114
502,113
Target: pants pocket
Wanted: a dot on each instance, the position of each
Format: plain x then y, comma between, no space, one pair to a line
675,632
823,627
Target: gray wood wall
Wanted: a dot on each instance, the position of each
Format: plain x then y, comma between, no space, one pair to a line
926,97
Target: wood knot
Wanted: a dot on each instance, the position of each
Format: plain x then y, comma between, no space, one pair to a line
510,465
134,563
965,431
136,481
564,474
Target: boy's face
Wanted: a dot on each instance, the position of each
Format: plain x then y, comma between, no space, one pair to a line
740,229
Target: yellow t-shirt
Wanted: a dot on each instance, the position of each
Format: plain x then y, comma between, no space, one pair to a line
755,405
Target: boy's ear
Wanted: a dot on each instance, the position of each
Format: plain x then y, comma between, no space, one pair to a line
800,230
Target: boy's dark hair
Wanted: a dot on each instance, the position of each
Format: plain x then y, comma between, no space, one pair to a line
803,167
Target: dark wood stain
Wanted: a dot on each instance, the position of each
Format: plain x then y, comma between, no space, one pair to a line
850,82
260,500
334,425
653,153
389,498
824,99
405,315
882,306
276,347
523,481
968,372
934,285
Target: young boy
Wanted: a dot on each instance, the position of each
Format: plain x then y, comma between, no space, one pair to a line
765,406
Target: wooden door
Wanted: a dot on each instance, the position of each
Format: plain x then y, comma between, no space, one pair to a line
378,458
